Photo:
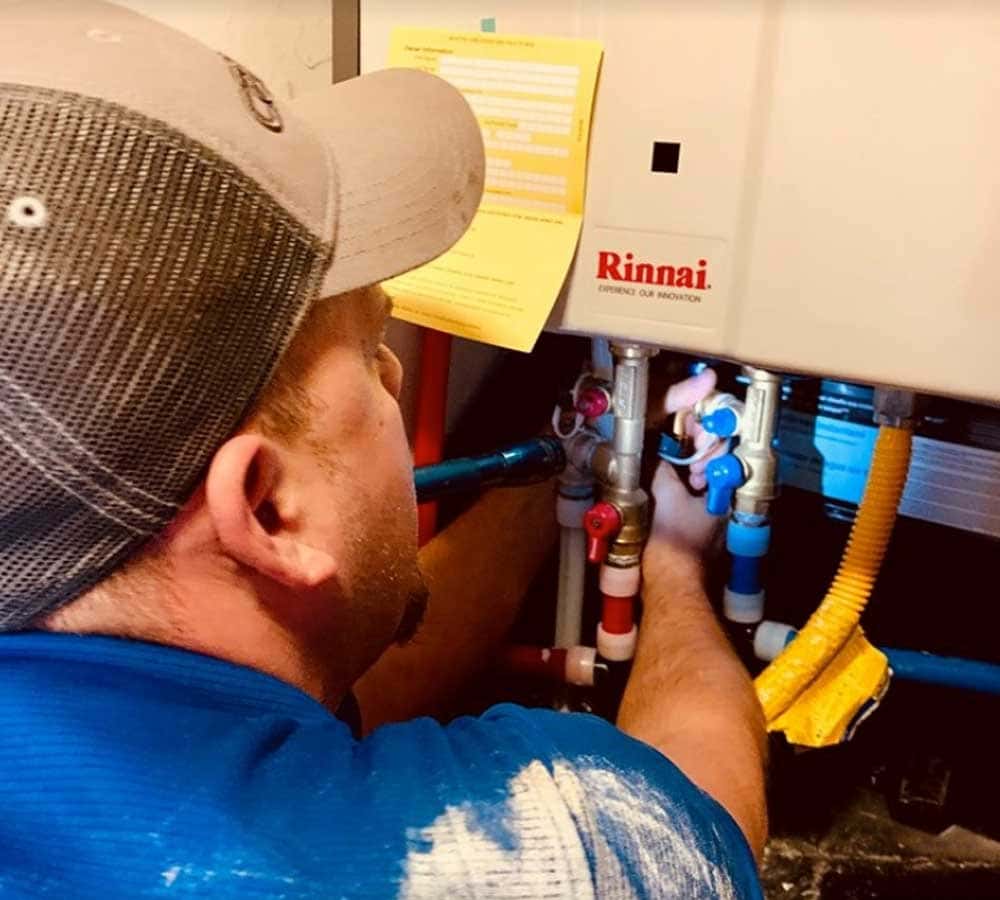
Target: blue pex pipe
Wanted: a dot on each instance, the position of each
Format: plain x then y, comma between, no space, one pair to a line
533,460
747,544
947,671
744,576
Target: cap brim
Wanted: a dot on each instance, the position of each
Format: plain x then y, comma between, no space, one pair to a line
408,154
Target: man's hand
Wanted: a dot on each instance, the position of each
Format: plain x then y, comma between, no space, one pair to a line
680,521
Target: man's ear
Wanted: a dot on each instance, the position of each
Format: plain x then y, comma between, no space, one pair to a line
242,495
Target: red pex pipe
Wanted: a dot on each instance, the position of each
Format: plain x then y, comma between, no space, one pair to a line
617,614
431,409
541,662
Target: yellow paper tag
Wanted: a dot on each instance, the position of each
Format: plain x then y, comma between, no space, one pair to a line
821,716
533,97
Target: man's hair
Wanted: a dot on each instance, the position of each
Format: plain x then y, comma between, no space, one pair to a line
141,589
284,408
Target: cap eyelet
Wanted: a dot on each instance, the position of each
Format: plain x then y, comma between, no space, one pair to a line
104,37
27,212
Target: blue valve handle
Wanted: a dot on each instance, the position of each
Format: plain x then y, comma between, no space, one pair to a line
722,422
724,475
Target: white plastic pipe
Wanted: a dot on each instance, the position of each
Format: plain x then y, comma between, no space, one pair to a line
572,571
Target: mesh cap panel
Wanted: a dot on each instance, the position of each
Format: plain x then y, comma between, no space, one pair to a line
147,289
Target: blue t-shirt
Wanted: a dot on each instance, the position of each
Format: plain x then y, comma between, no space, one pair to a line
132,770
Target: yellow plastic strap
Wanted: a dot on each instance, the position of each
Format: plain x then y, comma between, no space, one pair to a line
822,714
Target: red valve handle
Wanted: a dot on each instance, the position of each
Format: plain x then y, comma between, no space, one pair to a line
593,402
601,522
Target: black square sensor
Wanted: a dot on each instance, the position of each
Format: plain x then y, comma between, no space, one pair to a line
666,157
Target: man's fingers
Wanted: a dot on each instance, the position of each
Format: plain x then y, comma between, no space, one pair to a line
677,512
666,485
665,478
688,392
702,438
678,396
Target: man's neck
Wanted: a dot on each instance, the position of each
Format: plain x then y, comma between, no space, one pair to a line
218,614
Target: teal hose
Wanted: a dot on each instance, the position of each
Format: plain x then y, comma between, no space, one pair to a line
522,463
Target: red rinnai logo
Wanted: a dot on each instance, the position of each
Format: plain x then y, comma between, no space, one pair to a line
612,267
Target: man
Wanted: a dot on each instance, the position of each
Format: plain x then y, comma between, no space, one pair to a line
207,532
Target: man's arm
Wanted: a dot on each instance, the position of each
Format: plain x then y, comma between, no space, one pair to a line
478,570
688,694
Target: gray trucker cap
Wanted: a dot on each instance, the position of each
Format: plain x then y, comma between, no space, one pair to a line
164,226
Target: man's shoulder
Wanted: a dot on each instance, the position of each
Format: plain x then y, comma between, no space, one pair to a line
561,799
228,772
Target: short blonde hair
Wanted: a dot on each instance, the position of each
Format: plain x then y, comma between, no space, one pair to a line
284,408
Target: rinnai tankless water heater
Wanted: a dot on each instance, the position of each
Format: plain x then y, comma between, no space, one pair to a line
810,186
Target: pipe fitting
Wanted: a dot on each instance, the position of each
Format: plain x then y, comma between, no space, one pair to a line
616,464
579,451
631,390
571,507
894,408
589,457
755,451
616,647
604,463
625,549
